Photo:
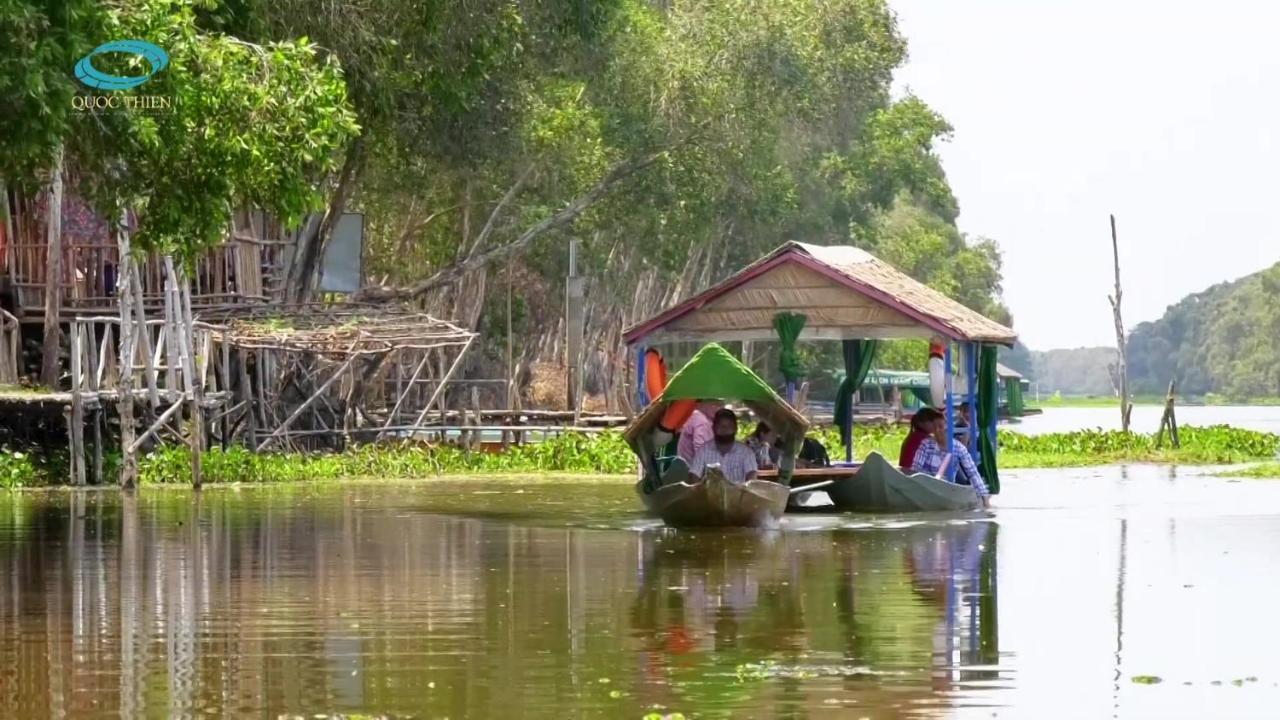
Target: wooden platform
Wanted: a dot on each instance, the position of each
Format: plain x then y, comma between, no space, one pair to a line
806,476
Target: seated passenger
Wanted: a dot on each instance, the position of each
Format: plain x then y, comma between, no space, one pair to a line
921,428
736,461
697,429
932,456
761,443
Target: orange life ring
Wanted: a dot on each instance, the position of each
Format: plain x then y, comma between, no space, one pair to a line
676,415
655,373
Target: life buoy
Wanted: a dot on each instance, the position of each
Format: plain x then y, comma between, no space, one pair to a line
937,375
655,373
676,415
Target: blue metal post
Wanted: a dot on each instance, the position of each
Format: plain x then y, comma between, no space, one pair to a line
995,441
972,372
642,393
950,400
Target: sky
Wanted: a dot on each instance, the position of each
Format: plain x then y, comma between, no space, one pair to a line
1165,113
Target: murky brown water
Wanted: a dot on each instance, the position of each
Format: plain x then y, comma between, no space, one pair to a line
464,600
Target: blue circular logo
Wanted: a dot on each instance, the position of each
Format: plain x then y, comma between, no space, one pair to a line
87,74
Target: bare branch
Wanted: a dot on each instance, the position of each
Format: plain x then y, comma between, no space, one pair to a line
561,218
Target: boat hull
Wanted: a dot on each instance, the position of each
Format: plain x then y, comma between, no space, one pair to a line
716,502
879,486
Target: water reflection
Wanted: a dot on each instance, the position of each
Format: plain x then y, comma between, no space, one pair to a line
385,600
168,604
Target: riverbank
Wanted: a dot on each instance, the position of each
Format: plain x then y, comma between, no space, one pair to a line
1261,471
607,454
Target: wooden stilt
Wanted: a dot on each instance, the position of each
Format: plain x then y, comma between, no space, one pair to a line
126,290
310,401
413,380
53,278
225,381
247,396
75,418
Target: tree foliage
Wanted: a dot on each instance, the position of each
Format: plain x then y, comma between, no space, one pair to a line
1224,340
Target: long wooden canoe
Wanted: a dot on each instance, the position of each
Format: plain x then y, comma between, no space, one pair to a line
879,486
716,502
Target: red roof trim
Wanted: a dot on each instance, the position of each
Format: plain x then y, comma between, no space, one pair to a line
789,252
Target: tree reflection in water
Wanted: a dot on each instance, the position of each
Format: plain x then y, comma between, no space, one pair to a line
363,599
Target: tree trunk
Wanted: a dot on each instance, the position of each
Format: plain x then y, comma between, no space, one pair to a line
53,279
308,256
1122,368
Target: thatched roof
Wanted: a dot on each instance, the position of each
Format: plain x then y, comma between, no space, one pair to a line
844,292
337,331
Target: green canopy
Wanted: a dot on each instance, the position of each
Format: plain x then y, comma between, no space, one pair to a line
789,326
715,373
858,356
988,397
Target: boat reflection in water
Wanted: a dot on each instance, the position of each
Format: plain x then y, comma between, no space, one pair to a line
380,600
892,618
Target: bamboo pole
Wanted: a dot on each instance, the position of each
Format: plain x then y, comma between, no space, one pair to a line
225,382
125,291
444,379
76,417
426,356
53,279
185,328
143,340
154,428
246,392
310,401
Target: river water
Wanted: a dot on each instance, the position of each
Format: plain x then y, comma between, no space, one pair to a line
556,599
1146,418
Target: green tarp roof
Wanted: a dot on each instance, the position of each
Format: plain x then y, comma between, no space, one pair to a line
714,373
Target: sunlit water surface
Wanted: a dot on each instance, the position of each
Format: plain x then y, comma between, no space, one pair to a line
1146,418
558,600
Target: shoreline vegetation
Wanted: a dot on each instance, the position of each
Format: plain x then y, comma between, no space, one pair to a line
608,454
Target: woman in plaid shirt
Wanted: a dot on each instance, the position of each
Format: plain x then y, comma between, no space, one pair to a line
931,456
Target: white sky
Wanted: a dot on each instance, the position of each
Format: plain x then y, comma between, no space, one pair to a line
1162,112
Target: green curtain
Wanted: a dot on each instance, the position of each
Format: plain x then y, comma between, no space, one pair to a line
1013,392
858,357
988,398
789,326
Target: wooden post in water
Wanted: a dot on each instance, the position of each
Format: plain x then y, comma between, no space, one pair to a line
574,287
1169,421
125,289
52,278
75,418
1122,367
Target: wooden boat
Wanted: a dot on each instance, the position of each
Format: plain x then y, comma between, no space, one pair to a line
879,486
716,502
713,501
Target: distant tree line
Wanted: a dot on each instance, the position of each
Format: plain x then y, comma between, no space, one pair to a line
1224,340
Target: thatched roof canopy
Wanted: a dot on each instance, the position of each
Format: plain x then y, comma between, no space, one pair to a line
844,292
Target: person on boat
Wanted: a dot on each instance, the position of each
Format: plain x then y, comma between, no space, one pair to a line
736,461
931,456
761,443
921,428
697,431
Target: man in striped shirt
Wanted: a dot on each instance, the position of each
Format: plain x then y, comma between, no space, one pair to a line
735,459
